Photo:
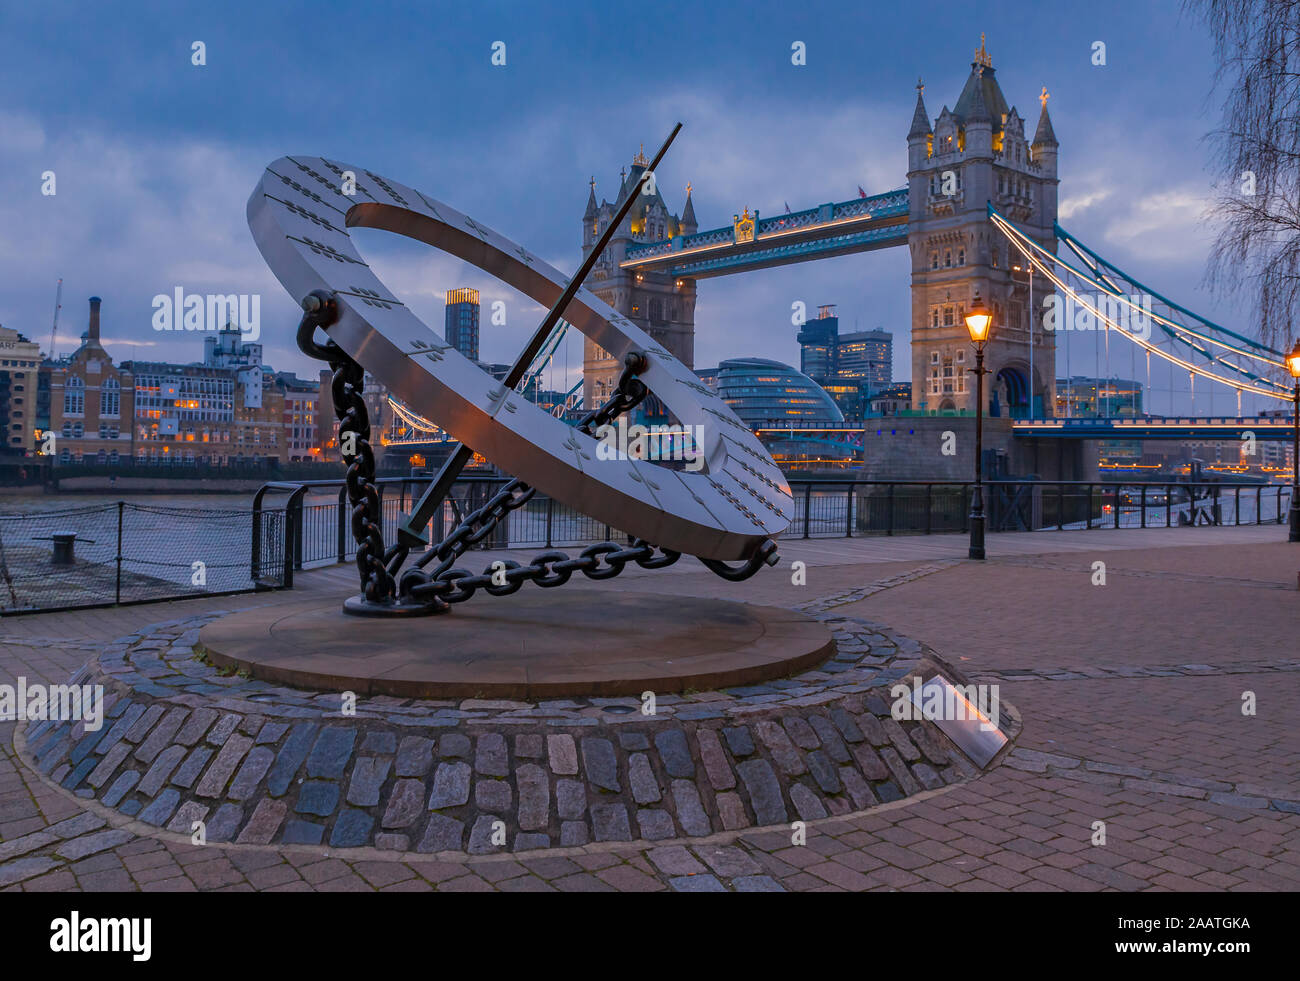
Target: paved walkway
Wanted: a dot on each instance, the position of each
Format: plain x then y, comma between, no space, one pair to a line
1131,695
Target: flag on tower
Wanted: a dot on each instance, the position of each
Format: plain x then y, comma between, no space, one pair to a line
787,207
861,193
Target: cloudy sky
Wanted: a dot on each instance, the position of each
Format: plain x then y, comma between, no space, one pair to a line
155,157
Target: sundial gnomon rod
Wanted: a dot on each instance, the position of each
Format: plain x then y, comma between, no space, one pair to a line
411,531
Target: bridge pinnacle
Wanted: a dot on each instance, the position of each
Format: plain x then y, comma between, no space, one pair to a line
920,118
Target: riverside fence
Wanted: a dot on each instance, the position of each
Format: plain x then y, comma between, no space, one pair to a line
119,553
321,531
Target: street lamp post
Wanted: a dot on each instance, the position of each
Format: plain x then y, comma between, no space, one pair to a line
1293,366
979,322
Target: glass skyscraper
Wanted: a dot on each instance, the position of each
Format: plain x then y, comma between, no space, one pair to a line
462,321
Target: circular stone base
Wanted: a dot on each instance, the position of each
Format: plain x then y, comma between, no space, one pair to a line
544,643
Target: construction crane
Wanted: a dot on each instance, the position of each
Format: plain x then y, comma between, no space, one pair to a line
58,305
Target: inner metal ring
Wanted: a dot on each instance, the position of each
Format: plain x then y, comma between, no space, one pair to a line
299,216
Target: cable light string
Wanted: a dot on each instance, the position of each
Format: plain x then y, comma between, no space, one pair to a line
1111,290
1009,230
1006,228
1076,245
1173,359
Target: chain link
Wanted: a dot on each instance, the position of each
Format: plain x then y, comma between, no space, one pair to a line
347,389
446,584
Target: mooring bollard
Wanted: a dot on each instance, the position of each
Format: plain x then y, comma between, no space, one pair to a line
63,545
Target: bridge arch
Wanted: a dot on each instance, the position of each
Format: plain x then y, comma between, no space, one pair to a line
1010,391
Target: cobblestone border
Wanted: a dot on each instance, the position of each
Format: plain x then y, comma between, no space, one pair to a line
263,764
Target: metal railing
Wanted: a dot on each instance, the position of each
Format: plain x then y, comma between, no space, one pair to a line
317,517
320,531
828,508
122,553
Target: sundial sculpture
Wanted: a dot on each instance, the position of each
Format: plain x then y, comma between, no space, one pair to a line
727,512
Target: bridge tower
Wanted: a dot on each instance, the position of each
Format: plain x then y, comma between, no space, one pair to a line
975,153
662,306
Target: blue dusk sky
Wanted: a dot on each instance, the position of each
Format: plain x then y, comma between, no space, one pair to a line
155,157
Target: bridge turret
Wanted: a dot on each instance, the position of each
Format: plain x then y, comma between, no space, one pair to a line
973,111
920,137
1045,146
688,224
656,301
589,229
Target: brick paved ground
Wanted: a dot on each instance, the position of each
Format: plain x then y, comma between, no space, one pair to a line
1194,794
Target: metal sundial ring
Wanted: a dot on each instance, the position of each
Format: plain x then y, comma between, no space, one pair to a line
691,512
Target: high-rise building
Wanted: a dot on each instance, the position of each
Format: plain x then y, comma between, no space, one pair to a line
851,367
867,356
462,321
818,339
20,362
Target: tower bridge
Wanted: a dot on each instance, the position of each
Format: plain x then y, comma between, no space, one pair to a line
957,163
978,217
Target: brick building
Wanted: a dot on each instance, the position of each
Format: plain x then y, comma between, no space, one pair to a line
92,401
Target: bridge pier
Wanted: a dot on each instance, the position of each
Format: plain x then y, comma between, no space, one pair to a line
943,448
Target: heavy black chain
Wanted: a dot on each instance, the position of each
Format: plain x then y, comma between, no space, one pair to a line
446,584
348,386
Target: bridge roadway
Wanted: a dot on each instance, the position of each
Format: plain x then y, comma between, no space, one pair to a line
1184,427
1272,428
1130,694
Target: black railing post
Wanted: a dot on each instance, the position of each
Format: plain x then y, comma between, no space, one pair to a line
848,517
1089,526
550,511
343,524
807,508
1169,506
1060,507
255,566
121,506
1259,502
889,504
294,512
1144,505
929,507
287,580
